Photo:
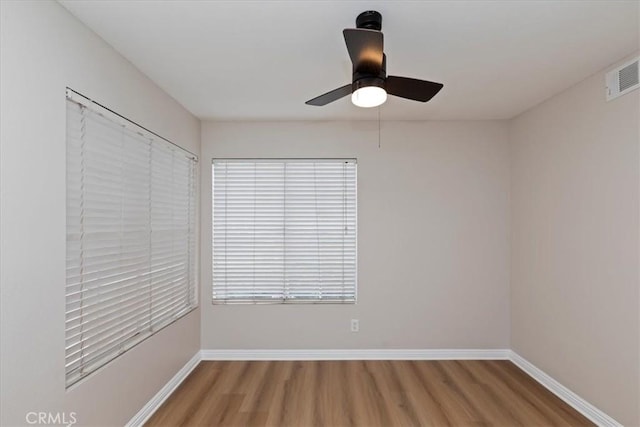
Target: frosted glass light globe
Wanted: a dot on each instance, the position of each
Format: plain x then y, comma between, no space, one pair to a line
369,96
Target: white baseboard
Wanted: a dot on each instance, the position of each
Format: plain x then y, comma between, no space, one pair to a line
147,410
576,402
356,354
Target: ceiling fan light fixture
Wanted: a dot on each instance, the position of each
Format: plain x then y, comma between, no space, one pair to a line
368,94
370,83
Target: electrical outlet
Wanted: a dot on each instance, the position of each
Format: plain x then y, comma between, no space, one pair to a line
355,325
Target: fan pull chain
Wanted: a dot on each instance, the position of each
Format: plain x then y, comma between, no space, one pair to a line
378,127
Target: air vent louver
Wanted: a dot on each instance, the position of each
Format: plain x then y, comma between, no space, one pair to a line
628,76
623,79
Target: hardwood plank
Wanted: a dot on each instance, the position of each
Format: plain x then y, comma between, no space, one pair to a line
554,407
363,393
447,395
365,409
188,396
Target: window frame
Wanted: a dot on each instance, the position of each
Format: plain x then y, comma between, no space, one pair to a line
284,300
165,315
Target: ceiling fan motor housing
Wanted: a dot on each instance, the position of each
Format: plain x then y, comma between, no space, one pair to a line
371,20
366,82
364,72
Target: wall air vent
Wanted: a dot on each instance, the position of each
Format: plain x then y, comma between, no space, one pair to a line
623,79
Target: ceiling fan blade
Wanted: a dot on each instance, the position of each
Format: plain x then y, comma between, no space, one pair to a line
365,49
417,90
328,97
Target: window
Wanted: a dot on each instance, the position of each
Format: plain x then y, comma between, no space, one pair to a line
284,231
131,209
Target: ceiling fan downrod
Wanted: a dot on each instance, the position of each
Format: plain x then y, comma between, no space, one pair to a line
370,20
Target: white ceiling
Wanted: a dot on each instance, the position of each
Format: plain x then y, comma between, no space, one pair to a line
261,60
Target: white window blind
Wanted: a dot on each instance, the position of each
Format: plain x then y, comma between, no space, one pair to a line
284,231
131,210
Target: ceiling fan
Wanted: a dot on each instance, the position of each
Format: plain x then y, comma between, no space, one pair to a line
370,83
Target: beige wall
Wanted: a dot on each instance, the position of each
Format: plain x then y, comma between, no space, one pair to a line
575,244
433,244
43,50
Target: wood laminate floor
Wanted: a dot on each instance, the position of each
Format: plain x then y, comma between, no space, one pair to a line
363,393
